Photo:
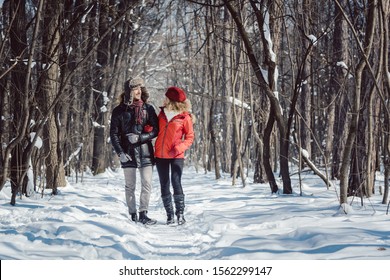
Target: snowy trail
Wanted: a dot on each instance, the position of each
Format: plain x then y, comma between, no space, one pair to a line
153,242
88,220
188,241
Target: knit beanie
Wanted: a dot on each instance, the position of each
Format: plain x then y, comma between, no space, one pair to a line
176,94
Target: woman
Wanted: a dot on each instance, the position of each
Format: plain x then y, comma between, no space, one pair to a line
134,124
175,136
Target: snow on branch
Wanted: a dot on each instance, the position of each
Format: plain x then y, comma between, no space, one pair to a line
313,39
313,167
342,65
238,103
74,154
267,34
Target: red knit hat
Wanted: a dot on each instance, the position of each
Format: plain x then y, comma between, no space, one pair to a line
176,94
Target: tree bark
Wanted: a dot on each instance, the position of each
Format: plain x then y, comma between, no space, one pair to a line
18,92
338,85
55,174
384,10
347,154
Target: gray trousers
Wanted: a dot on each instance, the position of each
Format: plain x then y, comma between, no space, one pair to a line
146,188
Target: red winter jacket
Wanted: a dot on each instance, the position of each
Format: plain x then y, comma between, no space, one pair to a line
175,136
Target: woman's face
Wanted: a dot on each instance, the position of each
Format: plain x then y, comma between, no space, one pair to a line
166,101
136,92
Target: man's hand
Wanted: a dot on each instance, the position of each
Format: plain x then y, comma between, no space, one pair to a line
123,157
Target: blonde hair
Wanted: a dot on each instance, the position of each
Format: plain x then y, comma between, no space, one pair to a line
180,107
175,106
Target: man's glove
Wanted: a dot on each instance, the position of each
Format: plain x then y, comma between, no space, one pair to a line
133,138
123,157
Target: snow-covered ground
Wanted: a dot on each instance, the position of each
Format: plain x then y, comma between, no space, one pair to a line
89,221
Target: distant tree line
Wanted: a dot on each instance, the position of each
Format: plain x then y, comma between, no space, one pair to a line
274,84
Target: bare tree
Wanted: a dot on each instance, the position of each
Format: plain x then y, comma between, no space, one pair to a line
304,67
39,98
19,147
48,89
356,102
337,91
276,113
384,16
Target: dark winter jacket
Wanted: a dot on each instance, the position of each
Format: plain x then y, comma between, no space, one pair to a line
123,122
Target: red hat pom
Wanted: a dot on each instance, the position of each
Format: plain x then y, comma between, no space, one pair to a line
176,94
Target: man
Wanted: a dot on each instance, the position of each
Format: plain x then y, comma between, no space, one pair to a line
134,124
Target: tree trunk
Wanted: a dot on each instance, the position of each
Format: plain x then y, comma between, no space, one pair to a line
213,133
384,17
18,44
102,70
338,85
260,175
305,106
55,173
267,153
353,128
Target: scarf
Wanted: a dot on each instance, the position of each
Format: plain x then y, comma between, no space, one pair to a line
171,114
139,113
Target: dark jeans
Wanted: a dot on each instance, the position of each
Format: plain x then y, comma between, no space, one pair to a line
176,167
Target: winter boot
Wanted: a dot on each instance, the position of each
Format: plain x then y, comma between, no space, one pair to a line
167,201
143,218
134,217
179,203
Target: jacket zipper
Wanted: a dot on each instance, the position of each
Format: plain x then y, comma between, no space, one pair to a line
165,134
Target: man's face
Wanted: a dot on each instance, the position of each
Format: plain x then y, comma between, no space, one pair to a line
136,92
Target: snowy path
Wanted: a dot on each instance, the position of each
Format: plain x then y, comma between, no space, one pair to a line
188,241
89,220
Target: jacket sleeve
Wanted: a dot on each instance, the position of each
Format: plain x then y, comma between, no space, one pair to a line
115,132
153,123
188,132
